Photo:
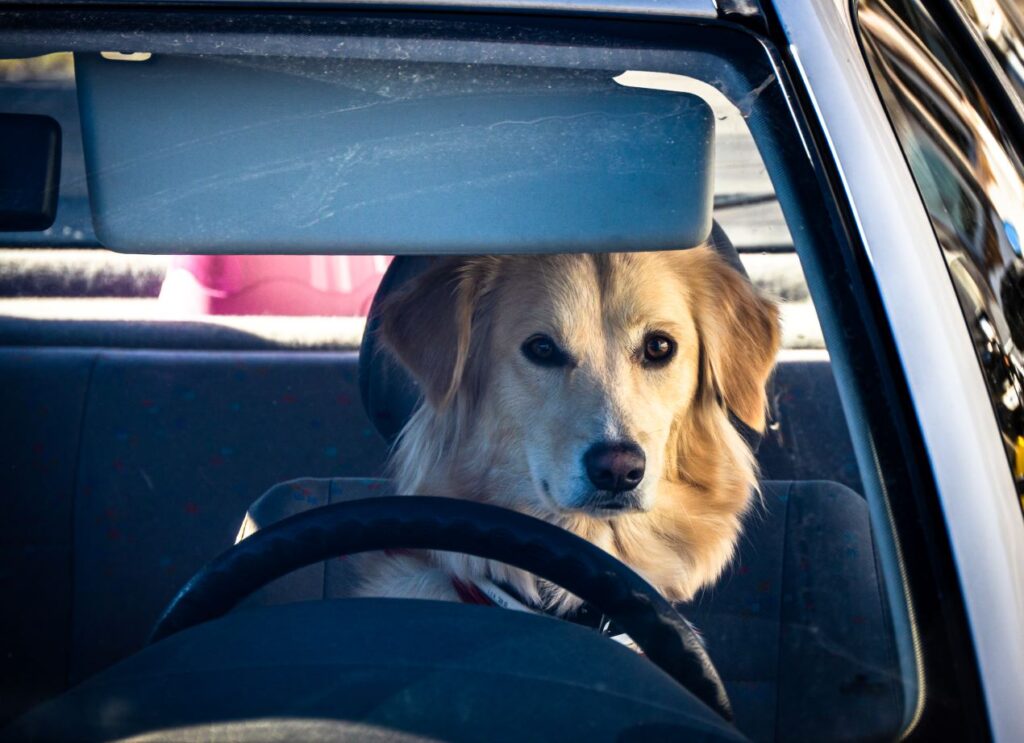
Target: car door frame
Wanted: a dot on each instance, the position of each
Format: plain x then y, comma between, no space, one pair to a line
949,396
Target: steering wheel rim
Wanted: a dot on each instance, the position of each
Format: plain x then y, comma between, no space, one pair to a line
453,525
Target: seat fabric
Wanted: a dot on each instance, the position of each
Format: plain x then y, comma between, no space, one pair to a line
326,580
42,399
797,626
173,448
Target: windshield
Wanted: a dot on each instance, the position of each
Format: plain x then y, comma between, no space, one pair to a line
553,269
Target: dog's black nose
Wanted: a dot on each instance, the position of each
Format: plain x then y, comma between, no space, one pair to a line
615,465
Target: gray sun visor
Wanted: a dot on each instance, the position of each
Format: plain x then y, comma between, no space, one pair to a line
224,154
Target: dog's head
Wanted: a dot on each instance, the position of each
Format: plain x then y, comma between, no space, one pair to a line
584,382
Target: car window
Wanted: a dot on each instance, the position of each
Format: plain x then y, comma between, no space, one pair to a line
972,182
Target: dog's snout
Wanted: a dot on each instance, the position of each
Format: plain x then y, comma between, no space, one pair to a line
615,465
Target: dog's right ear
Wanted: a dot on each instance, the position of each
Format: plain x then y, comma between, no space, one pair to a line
739,331
428,323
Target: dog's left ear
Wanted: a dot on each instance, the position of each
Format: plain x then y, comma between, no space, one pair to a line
429,323
740,335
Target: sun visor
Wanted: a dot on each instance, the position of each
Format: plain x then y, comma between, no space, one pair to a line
225,154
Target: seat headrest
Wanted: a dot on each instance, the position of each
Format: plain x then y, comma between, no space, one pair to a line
390,395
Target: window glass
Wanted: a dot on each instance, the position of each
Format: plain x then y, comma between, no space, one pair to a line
804,621
970,178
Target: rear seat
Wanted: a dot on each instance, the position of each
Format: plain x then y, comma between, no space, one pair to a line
42,399
127,470
808,439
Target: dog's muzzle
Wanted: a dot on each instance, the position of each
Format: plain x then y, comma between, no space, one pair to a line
621,501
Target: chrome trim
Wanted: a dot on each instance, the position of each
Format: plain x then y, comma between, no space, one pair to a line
960,434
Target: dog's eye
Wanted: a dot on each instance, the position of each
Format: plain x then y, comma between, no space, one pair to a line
658,349
543,351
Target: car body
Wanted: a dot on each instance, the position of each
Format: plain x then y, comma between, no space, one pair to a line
895,228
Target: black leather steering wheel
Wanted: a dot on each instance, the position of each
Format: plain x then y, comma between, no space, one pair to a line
454,525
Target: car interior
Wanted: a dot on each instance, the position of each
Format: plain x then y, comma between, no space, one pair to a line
139,447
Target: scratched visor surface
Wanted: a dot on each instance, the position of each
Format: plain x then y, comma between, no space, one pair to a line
244,154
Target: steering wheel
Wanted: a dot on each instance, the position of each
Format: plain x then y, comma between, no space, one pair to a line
454,525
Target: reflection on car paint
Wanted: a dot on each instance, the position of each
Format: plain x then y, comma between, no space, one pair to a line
1000,24
972,183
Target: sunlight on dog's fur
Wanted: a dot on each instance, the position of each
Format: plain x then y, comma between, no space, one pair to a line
592,391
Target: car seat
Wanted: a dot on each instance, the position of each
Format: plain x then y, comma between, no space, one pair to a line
798,626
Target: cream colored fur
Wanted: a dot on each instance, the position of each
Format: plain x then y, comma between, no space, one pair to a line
498,429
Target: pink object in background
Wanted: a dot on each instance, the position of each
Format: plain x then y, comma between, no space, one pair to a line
272,284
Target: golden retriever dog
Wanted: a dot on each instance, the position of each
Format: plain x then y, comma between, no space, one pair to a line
591,391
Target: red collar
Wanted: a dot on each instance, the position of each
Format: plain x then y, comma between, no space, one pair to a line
469,593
